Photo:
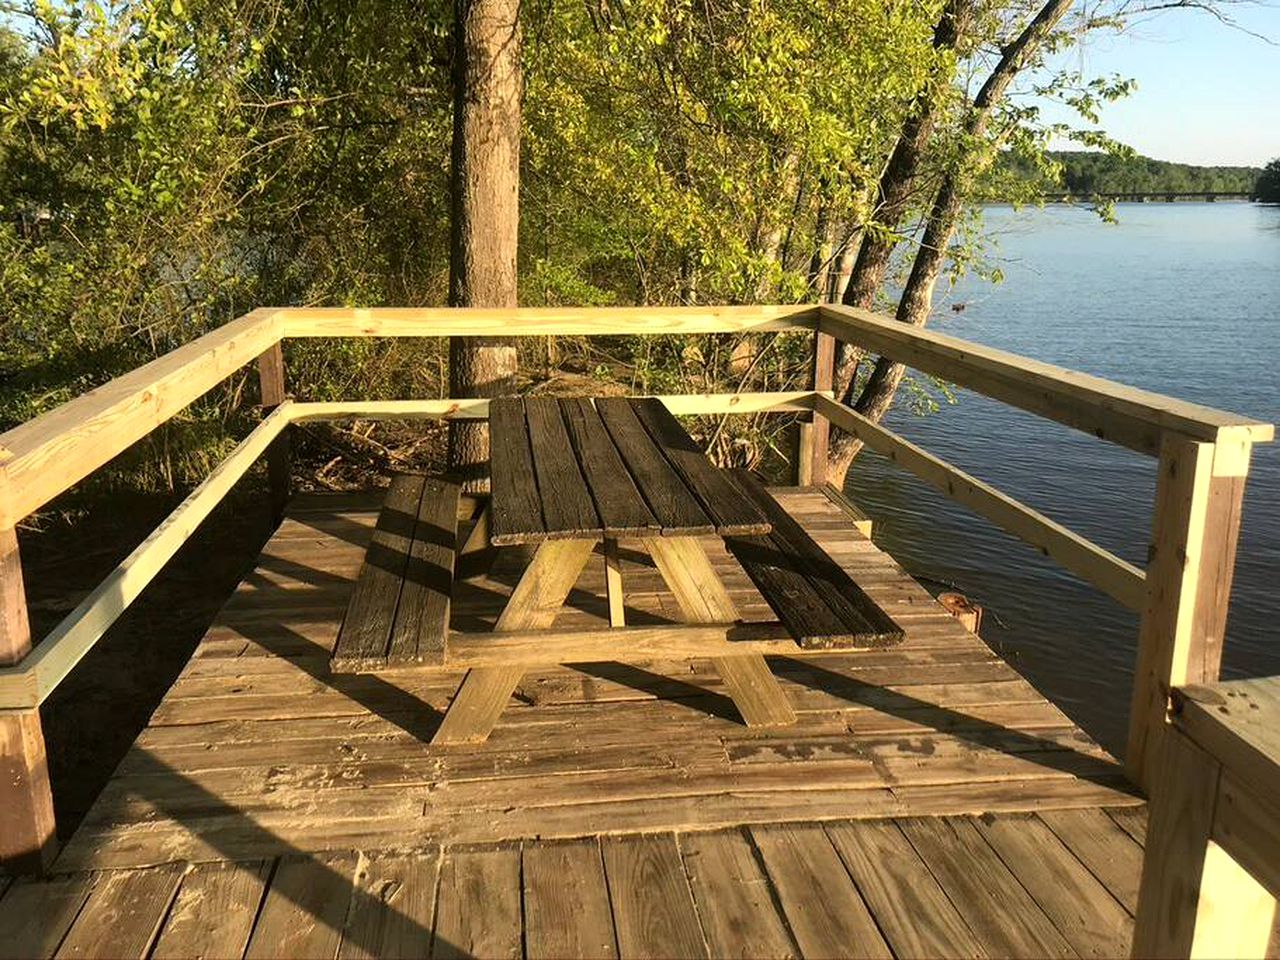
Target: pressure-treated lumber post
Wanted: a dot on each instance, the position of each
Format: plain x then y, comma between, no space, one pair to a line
819,429
27,839
271,379
1193,548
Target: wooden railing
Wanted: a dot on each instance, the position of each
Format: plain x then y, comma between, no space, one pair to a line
1203,460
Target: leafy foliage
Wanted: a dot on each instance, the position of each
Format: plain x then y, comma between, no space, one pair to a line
1267,187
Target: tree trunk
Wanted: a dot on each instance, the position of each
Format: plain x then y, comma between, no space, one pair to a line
917,297
896,191
486,211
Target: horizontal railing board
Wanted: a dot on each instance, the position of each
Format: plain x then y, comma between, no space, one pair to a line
46,456
1116,577
541,321
29,683
681,404
1112,411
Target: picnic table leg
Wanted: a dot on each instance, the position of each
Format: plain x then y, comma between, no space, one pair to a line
534,603
476,554
703,599
613,583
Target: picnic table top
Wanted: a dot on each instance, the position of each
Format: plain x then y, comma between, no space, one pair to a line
613,467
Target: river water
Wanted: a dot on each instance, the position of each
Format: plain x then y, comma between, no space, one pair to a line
1179,298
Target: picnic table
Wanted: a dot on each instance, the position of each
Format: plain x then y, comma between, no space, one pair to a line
570,477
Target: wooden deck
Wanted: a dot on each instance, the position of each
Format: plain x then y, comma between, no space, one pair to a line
929,801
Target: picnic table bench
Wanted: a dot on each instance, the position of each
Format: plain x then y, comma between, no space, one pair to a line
568,477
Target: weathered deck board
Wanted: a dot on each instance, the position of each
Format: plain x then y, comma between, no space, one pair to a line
603,789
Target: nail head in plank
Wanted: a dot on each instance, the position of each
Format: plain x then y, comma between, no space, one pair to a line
623,511
567,508
719,497
516,505
669,498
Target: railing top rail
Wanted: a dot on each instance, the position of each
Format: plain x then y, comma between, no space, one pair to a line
1107,409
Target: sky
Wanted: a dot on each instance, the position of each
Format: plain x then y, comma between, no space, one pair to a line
1207,93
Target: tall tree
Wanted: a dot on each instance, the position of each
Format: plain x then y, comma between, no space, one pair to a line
876,396
486,210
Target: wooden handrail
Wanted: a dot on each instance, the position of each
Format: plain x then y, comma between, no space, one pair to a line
48,455
1116,577
1109,410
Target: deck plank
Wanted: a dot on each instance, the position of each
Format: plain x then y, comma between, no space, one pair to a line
214,912
1101,845
478,907
36,914
653,910
305,908
566,901
733,896
800,859
392,910
122,914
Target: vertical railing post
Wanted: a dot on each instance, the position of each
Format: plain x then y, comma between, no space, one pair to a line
279,461
1195,528
815,436
28,841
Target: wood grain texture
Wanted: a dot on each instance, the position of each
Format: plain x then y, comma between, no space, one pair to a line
913,912
478,907
122,915
653,910
422,613
623,511
718,495
271,391
668,497
800,860
566,901
515,501
1101,845
739,917
305,908
392,910
997,908
214,912
36,915
1238,722
567,507
366,629
810,592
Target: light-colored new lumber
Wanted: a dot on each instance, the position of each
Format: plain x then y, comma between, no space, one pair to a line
1122,414
540,321
478,409
49,454
1116,577
29,683
1195,527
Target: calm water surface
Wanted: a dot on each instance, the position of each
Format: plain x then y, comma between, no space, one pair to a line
1179,298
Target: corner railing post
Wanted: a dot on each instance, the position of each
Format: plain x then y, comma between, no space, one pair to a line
1195,528
815,435
279,461
27,832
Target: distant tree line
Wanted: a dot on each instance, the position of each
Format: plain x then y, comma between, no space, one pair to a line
1267,189
1087,173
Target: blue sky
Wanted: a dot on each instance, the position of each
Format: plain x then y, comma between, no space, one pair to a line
1206,93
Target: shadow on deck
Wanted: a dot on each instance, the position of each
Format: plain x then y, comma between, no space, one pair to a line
929,801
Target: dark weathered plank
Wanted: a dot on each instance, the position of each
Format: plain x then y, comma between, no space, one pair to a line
672,503
811,594
214,912
366,628
566,901
393,908
478,906
36,914
622,509
306,907
718,494
422,616
516,506
567,509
